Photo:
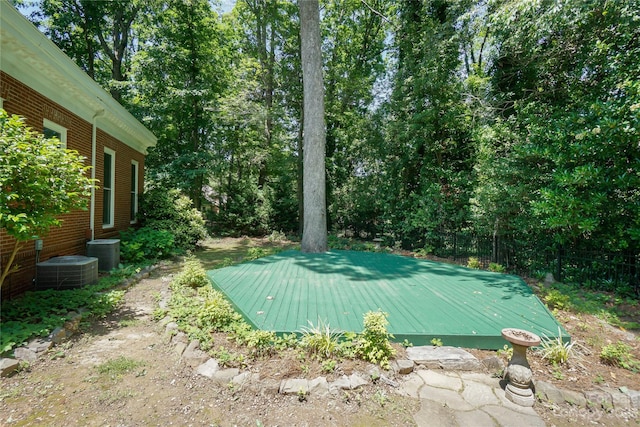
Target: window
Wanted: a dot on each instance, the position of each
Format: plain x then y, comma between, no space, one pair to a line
51,129
134,191
108,186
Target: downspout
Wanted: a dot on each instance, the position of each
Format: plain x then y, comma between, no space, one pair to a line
92,208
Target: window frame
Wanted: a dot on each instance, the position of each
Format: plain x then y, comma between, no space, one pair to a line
55,127
109,187
135,176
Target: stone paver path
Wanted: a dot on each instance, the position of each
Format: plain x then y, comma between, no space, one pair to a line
450,398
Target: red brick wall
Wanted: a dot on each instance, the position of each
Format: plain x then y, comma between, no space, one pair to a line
70,239
124,155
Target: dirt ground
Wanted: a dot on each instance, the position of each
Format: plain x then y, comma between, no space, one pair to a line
73,387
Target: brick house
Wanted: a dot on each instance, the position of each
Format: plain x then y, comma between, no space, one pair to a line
39,82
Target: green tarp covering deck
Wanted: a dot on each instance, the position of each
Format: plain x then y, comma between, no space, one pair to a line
425,299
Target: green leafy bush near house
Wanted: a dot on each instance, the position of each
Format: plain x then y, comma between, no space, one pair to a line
169,210
38,182
145,244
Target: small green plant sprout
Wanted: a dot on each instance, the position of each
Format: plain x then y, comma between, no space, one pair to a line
506,352
557,372
302,395
556,351
374,345
619,354
329,365
497,268
474,263
321,341
380,397
406,343
436,342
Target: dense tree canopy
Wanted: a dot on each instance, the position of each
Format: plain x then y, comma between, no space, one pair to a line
512,118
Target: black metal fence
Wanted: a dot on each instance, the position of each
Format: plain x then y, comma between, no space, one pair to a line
535,256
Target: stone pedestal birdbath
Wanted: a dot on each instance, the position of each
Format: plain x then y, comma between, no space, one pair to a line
518,374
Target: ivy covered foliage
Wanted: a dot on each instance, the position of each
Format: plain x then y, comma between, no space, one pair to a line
37,314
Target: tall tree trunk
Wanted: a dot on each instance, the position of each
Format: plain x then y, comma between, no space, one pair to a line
314,235
300,165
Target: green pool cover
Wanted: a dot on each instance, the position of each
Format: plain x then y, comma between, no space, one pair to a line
425,299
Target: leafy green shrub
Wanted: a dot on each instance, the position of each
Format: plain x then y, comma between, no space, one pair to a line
373,343
474,263
171,211
255,253
619,354
286,341
216,313
38,182
321,341
555,299
258,341
192,274
497,268
145,244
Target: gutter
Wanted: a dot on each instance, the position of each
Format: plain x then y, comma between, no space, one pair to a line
94,144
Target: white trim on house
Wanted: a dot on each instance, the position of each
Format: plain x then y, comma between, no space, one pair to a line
109,187
135,169
28,55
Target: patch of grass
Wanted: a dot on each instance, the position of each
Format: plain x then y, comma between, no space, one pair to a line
115,368
109,397
124,323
